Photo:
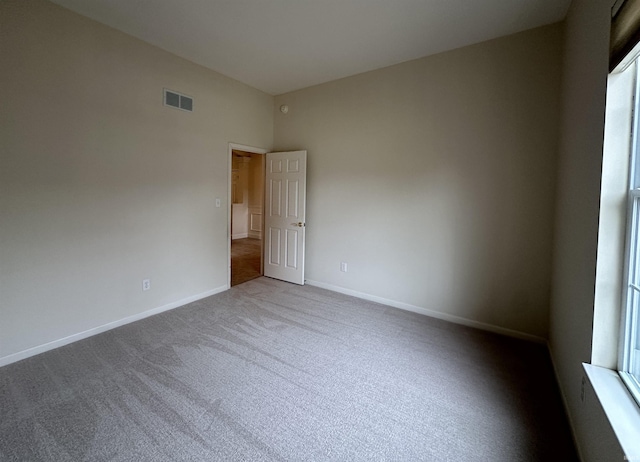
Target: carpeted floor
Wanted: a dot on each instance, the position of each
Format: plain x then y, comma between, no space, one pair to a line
274,371
245,260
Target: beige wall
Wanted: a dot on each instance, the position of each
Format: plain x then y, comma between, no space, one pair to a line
434,180
574,265
240,195
256,196
100,185
246,218
256,181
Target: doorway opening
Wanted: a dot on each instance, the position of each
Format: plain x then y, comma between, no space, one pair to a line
246,211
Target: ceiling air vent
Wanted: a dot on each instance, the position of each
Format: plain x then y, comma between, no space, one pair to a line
178,100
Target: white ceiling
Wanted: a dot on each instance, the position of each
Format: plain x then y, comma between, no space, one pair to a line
282,45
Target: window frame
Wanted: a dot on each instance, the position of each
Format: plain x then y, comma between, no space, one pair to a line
630,314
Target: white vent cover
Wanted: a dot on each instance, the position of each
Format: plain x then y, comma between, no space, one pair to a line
178,100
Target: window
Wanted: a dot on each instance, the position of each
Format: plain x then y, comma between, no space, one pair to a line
630,358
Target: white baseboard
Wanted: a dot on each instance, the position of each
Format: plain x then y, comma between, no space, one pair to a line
254,235
12,358
431,313
239,236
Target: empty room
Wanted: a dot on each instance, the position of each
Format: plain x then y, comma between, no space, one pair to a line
435,206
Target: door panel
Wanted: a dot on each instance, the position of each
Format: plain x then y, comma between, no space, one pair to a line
275,199
274,247
292,248
285,188
292,198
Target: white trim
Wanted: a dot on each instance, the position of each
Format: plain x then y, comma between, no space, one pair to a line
427,312
627,60
632,384
619,406
239,147
239,236
12,358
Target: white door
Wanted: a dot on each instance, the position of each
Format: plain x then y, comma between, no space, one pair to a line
284,221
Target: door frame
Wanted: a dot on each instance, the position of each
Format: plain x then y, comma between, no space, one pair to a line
252,150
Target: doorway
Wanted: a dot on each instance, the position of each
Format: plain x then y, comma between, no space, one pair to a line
246,214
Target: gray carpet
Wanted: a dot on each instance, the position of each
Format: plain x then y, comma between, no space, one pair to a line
274,371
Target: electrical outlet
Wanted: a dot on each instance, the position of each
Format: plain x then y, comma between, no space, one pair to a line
218,202
343,266
582,389
146,284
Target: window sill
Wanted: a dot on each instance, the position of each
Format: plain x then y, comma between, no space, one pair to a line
619,406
